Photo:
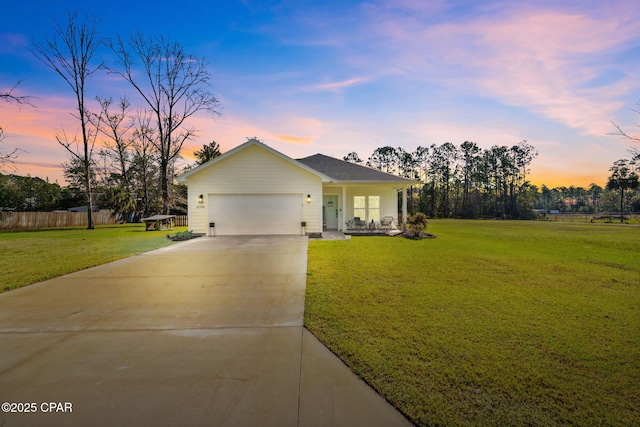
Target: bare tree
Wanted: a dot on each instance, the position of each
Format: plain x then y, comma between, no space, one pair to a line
621,132
634,151
144,165
7,157
116,126
174,85
70,53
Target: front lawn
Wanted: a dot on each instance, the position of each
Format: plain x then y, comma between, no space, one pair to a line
35,255
492,323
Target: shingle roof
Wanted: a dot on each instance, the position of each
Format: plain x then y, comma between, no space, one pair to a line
340,170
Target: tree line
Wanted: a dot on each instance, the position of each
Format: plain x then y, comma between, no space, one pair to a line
462,181
452,181
466,181
24,193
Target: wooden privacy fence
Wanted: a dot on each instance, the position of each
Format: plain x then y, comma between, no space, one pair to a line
181,221
31,220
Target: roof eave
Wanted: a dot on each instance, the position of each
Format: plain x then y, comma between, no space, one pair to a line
366,181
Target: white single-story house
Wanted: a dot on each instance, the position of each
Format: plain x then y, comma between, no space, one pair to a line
256,190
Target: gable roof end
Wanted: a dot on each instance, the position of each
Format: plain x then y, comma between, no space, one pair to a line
184,177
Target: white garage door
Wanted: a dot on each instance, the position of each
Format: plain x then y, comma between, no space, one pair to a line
256,214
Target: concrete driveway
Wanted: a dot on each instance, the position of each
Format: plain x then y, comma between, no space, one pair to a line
207,332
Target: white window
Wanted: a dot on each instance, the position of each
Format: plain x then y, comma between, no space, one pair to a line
359,207
374,208
367,208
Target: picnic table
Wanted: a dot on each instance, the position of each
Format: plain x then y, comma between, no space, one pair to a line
159,222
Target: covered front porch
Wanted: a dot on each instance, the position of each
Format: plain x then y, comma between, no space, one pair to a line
364,209
386,225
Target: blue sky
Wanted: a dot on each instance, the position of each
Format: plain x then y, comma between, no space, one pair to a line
334,77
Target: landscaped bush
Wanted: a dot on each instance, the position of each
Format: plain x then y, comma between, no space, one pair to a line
416,226
183,235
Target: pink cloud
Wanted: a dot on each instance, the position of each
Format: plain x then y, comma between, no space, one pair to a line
49,115
542,60
338,85
305,140
534,57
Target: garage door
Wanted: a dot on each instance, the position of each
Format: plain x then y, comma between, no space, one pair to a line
256,214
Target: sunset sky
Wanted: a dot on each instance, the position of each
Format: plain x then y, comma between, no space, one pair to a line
333,77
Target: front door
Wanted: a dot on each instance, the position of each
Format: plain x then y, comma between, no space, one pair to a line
330,204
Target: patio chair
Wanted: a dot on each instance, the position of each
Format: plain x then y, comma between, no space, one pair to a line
359,223
386,222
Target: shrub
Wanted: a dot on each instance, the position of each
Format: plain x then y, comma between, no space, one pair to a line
183,235
417,223
416,226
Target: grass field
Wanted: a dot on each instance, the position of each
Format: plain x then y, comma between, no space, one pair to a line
32,256
491,323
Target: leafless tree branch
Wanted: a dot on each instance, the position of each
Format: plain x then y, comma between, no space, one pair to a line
623,134
11,97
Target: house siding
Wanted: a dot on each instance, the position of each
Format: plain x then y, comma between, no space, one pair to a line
254,171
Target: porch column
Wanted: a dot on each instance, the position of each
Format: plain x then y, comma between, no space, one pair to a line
344,209
404,208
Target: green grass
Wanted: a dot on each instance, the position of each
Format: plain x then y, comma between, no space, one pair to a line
35,255
492,323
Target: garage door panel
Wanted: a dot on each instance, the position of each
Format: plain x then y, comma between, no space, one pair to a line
256,214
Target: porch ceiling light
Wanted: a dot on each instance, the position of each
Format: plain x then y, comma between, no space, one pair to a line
308,198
